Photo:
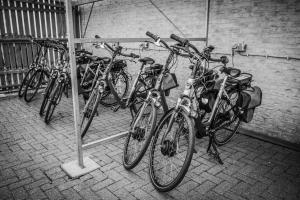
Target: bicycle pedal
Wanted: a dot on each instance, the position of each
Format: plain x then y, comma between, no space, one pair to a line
195,151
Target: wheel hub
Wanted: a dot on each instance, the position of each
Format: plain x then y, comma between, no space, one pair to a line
168,148
138,134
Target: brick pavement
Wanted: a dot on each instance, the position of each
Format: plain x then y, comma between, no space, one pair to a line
31,153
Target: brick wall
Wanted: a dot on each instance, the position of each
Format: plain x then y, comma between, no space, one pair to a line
267,27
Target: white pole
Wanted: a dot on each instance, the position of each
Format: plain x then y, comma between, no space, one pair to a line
69,21
207,20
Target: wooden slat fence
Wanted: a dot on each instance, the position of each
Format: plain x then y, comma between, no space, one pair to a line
18,20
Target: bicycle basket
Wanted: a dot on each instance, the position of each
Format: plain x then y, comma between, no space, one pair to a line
169,81
248,100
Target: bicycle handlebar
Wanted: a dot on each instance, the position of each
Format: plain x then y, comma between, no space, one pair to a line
158,40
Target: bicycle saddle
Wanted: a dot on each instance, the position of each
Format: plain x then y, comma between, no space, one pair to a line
233,72
106,60
147,60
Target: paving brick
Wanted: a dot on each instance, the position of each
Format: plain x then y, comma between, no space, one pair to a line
8,181
141,194
102,184
223,187
68,184
124,194
188,186
71,194
54,194
36,193
20,183
19,193
206,186
106,194
88,194
115,186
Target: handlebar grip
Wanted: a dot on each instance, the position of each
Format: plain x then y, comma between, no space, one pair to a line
134,55
154,37
215,59
222,59
179,39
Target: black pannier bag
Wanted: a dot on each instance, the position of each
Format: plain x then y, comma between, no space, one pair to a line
248,100
118,65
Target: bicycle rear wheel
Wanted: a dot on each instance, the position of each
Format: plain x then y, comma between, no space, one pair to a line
138,140
121,83
27,77
54,101
33,85
89,111
171,152
227,119
47,92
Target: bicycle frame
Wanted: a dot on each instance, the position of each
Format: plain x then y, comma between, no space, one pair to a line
156,95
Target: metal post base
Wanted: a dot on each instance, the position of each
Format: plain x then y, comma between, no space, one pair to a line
75,171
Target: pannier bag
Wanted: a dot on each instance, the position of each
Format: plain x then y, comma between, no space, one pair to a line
118,65
248,100
169,82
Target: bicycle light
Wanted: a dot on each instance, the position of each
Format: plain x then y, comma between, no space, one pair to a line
157,103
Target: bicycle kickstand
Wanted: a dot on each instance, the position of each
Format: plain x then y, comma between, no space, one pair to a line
214,153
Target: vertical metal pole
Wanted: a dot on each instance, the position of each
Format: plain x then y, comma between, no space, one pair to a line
69,20
207,20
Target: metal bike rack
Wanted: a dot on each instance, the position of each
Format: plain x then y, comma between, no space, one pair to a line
83,165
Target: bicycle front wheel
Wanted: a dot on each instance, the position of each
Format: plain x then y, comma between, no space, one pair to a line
25,81
226,120
89,111
139,138
33,85
47,92
171,151
54,101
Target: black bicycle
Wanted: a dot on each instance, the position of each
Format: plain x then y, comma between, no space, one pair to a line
110,80
144,123
212,102
37,73
60,83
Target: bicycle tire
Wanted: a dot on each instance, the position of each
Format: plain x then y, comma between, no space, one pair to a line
220,136
24,82
48,91
190,138
54,101
108,98
90,113
33,84
139,136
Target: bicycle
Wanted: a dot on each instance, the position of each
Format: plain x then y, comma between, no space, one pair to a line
61,82
172,146
52,80
38,63
101,89
42,70
143,124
